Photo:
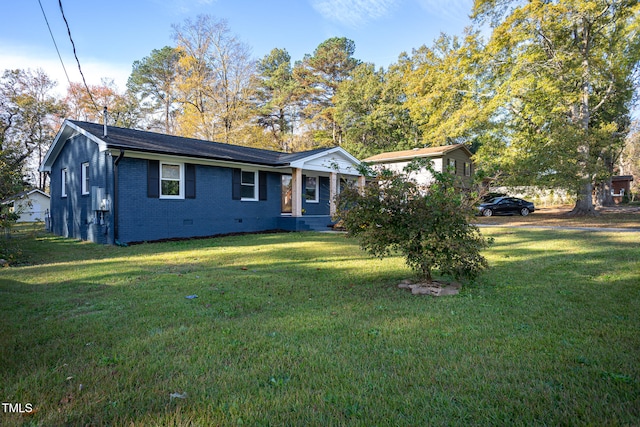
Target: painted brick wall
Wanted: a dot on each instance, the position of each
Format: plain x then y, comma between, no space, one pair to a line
145,219
322,206
71,216
212,211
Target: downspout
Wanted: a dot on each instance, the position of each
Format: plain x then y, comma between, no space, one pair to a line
116,198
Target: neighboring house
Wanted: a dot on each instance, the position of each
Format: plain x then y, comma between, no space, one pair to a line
457,157
620,185
116,185
31,206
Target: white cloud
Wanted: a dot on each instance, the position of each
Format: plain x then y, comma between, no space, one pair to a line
26,57
450,9
353,13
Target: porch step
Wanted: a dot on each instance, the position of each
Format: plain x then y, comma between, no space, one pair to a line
307,223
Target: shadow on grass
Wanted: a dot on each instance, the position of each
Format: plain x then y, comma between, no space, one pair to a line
304,328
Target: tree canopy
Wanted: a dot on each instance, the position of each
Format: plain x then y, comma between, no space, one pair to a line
28,120
427,224
562,74
541,91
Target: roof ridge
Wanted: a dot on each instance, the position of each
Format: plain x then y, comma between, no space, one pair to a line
142,140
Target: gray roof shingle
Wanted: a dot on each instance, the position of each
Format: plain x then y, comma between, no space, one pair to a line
151,142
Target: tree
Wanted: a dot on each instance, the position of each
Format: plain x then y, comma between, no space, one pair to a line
273,96
446,90
370,108
153,81
215,69
629,161
557,66
318,77
29,118
428,225
88,105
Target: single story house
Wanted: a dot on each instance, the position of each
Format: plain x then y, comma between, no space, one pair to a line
620,185
456,157
115,185
31,206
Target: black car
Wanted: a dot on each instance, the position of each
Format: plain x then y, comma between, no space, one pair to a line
506,206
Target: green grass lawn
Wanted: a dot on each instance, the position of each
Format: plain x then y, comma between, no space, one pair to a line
305,329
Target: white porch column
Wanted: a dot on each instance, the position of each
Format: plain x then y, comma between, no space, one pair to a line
333,192
296,192
361,183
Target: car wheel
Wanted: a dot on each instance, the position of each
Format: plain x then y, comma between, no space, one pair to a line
487,212
524,211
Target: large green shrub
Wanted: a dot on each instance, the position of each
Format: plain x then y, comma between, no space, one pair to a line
428,224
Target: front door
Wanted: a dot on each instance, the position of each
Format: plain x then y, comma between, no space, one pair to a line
286,194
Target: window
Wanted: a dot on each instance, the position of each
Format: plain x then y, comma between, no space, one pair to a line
171,181
467,169
64,183
248,187
452,166
287,194
85,178
311,189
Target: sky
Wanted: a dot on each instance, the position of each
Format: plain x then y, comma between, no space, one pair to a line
110,35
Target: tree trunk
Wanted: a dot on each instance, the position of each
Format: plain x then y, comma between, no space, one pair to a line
604,197
584,203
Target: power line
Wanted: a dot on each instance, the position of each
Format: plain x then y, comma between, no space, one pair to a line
76,56
54,42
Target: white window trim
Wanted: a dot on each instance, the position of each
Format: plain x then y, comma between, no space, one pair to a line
256,186
317,198
84,174
65,176
452,166
181,181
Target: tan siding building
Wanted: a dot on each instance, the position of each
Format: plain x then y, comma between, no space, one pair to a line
457,157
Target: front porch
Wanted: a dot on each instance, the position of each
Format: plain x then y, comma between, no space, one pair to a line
310,188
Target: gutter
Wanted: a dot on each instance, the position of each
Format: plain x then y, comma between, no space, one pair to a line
116,198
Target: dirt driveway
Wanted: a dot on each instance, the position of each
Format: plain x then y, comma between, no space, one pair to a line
557,216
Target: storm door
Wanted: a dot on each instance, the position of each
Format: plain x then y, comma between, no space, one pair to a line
286,194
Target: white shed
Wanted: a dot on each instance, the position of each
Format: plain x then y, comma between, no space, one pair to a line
30,205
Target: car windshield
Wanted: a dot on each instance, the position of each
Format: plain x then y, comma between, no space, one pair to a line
495,200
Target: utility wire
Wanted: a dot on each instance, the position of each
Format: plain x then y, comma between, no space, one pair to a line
77,60
54,42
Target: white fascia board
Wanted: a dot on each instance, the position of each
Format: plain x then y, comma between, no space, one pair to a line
38,191
334,159
320,162
132,154
67,131
407,157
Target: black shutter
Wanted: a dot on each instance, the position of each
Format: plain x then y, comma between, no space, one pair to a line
236,188
262,179
190,181
153,179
